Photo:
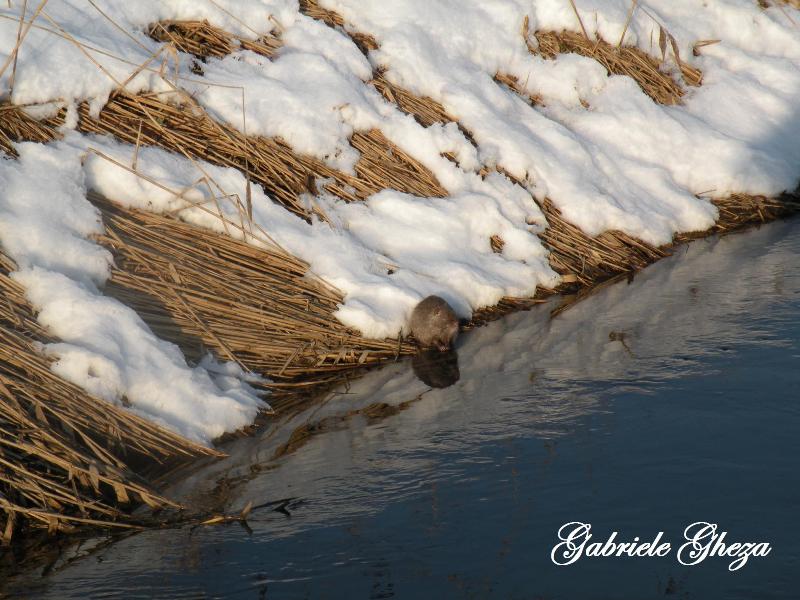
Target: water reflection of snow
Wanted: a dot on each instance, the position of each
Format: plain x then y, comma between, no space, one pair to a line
526,375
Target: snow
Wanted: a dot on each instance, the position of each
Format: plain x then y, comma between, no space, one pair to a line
45,221
433,245
614,165
598,147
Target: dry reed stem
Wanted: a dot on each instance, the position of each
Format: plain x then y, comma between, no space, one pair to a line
285,175
65,455
204,290
623,60
12,56
203,40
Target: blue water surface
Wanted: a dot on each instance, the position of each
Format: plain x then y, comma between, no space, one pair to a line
650,405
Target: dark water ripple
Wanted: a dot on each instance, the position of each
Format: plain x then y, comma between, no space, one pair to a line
648,406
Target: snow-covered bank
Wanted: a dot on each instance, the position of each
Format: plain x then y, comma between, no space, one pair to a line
45,222
598,147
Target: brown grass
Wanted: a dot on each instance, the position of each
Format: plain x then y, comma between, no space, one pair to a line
203,40
512,82
584,260
589,260
620,60
284,174
64,454
425,110
16,126
364,41
258,307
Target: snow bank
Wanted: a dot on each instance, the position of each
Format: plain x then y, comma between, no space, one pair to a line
431,245
625,163
622,163
105,347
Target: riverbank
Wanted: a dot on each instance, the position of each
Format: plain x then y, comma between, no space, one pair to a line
208,214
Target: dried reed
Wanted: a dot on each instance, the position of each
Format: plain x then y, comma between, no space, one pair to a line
62,450
425,110
364,41
203,40
65,455
620,60
284,174
258,307
768,3
589,260
16,125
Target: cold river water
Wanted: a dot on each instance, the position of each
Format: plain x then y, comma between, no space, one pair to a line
653,404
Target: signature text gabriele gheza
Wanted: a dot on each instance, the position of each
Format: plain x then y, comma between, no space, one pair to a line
701,541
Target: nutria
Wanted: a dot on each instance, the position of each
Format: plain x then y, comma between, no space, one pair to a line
434,323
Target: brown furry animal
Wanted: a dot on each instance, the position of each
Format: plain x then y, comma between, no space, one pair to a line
434,323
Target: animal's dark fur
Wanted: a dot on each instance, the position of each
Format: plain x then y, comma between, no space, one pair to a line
434,324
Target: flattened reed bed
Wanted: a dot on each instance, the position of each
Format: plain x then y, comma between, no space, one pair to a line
364,41
65,456
258,307
284,174
589,260
584,260
16,125
593,260
203,40
618,60
425,110
768,3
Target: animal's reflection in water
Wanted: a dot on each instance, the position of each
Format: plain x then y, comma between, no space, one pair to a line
435,368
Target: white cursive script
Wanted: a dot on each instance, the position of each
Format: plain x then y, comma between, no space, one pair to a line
703,541
575,538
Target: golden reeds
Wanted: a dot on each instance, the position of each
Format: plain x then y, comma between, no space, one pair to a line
16,125
203,40
65,455
768,3
425,110
284,174
591,260
258,307
364,41
620,60
741,210
587,259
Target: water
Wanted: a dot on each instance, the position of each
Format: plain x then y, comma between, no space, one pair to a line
646,407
